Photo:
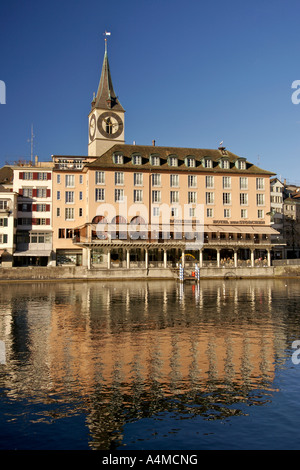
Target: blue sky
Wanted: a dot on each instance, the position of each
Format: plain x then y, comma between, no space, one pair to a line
189,74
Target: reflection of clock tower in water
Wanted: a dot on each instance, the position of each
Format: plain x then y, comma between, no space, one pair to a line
106,119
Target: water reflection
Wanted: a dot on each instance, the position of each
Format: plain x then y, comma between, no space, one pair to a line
120,352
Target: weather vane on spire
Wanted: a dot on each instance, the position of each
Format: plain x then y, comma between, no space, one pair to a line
106,34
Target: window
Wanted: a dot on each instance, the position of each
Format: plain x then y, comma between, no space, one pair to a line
209,197
27,175
80,212
243,199
225,164
155,211
69,213
80,195
3,222
260,214
244,213
27,192
119,178
156,179
226,198
190,162
100,177
260,183
155,161
58,195
226,182
118,158
173,161
41,192
226,213
42,176
209,181
3,204
207,163
58,212
137,159
100,194
138,179
58,179
3,238
156,196
260,199
174,211
174,196
174,181
241,164
40,208
192,212
80,179
40,222
61,233
119,195
209,212
138,195
243,183
69,197
192,197
70,181
192,181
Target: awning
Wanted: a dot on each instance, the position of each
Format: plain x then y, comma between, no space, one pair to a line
1,252
38,254
241,229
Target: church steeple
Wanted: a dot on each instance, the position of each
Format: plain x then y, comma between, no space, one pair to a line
106,96
106,118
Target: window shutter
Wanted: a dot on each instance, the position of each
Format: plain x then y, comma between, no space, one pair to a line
48,176
34,207
47,221
35,176
21,175
33,221
21,192
48,192
34,193
47,207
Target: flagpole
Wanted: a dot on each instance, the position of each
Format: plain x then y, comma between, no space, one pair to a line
105,40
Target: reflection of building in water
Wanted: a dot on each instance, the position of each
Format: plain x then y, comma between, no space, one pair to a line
128,349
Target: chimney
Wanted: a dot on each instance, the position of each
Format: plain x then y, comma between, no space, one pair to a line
153,143
36,159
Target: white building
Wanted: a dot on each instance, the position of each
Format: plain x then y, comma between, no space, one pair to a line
33,183
276,196
8,210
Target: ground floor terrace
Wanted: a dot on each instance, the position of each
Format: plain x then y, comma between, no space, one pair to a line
135,247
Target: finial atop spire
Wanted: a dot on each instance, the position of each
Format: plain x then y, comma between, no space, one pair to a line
105,40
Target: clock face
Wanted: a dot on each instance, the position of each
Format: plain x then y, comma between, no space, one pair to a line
92,127
110,125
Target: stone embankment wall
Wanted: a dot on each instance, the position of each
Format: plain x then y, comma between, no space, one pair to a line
76,273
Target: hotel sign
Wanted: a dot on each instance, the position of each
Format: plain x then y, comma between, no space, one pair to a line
239,222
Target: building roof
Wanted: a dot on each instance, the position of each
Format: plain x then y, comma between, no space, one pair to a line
106,160
106,97
6,175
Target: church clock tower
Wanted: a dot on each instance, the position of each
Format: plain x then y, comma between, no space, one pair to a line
106,119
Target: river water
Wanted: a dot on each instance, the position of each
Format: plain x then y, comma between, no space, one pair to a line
150,365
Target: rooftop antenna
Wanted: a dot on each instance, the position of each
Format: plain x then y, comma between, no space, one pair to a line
31,143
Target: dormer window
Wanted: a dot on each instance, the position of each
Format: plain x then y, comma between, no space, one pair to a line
207,163
190,162
173,161
155,160
137,160
224,163
241,164
118,159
